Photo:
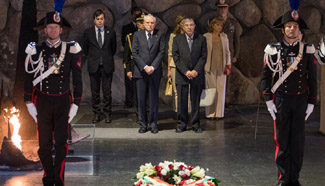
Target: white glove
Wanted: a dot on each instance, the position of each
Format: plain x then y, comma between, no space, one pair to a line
31,49
32,110
271,108
72,112
309,110
322,47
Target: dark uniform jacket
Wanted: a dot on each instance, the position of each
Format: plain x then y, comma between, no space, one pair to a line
233,30
56,84
128,58
127,29
303,80
93,52
186,60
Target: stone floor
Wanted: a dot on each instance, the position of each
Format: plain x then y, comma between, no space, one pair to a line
227,149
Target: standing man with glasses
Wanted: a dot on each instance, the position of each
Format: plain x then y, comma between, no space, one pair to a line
189,54
148,50
99,46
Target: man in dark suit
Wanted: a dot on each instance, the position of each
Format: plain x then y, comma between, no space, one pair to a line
99,46
189,54
148,50
126,30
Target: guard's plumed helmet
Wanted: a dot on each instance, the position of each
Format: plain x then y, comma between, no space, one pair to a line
290,16
53,17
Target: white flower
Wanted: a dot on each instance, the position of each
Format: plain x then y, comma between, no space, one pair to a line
165,163
177,179
150,171
142,168
148,166
181,173
166,167
140,175
164,172
198,172
187,172
177,164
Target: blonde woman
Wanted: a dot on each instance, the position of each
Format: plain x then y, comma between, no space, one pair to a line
217,67
171,65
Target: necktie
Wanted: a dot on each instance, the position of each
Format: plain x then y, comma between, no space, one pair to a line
190,42
100,40
100,43
149,40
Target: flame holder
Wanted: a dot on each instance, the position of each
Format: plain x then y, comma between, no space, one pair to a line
81,161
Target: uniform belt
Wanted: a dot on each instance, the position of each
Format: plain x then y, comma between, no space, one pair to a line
44,93
288,95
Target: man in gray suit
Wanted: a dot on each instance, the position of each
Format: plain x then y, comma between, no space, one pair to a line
148,50
189,54
99,46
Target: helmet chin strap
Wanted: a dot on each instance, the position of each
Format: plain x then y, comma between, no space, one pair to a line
290,37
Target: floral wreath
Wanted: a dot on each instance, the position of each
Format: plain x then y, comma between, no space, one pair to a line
169,173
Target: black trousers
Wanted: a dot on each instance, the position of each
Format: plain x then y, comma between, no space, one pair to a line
52,118
289,136
195,95
145,85
129,90
97,78
135,97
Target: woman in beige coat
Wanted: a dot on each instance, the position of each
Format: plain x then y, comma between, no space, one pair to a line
217,67
171,65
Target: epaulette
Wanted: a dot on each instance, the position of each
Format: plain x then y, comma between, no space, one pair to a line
75,47
310,49
31,48
272,48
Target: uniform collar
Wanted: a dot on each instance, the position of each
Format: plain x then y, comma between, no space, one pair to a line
288,44
54,45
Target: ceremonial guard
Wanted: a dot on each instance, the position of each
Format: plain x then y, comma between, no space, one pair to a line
48,96
290,89
232,28
320,55
129,61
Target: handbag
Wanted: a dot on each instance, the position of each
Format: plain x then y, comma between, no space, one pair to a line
207,97
169,87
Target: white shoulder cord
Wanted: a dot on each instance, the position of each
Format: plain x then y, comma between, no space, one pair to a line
277,65
39,63
292,67
39,68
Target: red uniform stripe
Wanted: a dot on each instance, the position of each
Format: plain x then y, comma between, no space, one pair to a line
44,174
63,165
276,148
